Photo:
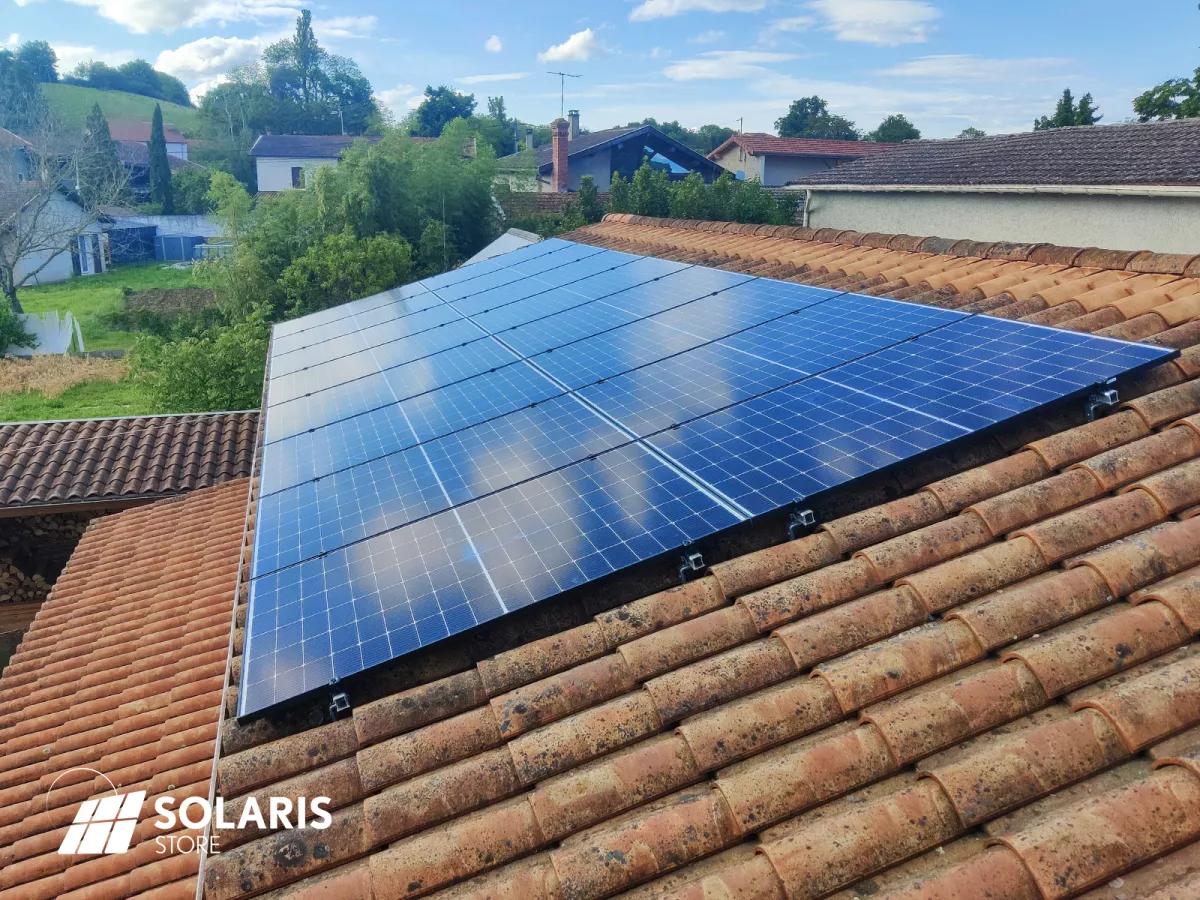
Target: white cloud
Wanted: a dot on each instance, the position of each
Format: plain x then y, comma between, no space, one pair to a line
206,57
11,44
725,64
888,23
579,46
345,26
665,9
978,68
401,96
147,16
498,76
793,23
71,55
708,37
658,53
493,45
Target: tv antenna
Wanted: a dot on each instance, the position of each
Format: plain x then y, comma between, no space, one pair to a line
562,90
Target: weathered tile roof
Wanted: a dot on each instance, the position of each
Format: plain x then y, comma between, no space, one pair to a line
122,673
1159,153
756,142
114,460
984,679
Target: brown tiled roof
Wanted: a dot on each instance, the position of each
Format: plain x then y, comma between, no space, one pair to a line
121,672
756,142
1160,153
107,460
985,679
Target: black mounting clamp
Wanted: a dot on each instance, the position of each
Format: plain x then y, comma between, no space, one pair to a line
339,704
800,520
690,565
1105,398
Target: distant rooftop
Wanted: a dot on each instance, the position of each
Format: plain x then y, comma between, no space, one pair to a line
757,143
308,146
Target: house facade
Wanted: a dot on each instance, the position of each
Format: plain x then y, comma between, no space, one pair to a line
281,160
561,164
777,161
1132,185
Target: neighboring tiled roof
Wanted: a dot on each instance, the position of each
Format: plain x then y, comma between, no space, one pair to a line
122,673
99,460
9,140
133,130
132,153
1162,153
307,146
792,724
756,142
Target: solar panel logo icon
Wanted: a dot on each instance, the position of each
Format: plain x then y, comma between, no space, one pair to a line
104,826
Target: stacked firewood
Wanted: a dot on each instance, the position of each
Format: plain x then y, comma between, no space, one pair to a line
18,587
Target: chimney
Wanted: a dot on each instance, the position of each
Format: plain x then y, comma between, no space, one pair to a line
573,118
558,130
528,138
472,147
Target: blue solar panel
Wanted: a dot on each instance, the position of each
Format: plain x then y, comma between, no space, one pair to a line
447,452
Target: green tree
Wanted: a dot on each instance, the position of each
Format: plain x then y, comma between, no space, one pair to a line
689,198
41,59
1068,112
809,117
21,103
341,267
971,133
99,169
590,207
618,194
441,106
12,330
1175,98
649,191
295,62
435,252
496,110
895,129
219,369
160,166
189,189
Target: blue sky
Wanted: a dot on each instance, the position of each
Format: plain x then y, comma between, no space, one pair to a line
946,64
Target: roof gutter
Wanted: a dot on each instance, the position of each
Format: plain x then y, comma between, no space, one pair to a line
1099,190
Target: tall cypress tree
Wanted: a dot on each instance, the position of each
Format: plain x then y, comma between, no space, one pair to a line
160,168
99,170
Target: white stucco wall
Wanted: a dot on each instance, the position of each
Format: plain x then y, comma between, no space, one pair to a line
275,172
736,159
1161,224
52,227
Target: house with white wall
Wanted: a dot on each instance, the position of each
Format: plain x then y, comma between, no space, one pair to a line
776,161
138,132
1131,185
282,159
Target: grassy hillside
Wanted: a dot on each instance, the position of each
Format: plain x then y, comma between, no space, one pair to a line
74,103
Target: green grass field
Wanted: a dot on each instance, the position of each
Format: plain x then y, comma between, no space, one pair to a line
90,299
73,103
93,400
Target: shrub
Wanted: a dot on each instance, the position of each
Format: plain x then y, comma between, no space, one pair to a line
12,330
341,267
590,207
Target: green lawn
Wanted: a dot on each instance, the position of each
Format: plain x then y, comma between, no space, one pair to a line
93,400
73,103
92,297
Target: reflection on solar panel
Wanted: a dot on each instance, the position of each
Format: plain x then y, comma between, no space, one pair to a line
444,453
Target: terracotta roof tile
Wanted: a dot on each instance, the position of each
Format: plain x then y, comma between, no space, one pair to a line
141,710
113,460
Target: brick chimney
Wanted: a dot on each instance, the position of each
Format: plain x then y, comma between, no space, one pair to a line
573,119
559,130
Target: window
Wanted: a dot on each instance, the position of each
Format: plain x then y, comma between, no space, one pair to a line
297,176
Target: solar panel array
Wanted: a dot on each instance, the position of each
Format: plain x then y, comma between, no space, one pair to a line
446,452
